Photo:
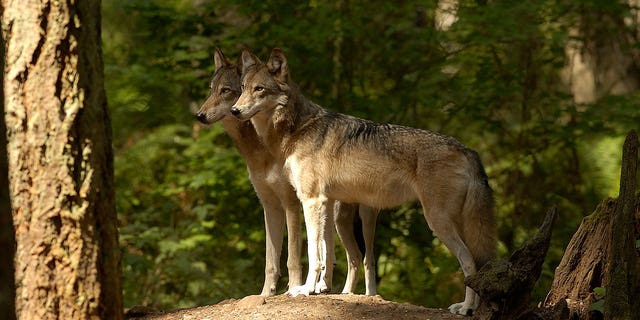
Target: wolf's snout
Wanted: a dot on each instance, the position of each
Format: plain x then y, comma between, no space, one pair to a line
202,117
235,111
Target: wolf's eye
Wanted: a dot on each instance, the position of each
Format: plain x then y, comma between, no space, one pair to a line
258,88
225,90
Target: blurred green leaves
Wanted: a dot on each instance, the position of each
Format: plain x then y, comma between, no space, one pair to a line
189,222
191,226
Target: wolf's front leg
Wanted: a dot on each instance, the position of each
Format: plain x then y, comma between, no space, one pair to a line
327,250
315,221
294,241
274,225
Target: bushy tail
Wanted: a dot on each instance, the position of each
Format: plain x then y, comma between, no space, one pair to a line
479,226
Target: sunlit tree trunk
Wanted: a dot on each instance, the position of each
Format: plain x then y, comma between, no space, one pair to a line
7,240
445,14
60,162
601,57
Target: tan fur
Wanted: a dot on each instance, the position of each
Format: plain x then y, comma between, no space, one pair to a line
276,194
330,156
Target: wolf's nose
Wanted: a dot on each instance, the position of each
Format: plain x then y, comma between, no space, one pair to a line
235,111
202,117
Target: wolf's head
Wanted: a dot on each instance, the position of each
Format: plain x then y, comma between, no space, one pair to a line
264,87
224,90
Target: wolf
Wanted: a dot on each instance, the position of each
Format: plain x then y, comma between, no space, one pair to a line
330,156
277,195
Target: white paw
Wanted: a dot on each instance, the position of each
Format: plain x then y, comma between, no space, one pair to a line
300,291
322,287
461,308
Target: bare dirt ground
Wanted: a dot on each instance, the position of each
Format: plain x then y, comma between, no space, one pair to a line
334,306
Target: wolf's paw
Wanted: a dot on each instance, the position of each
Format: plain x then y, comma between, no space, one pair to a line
322,287
300,291
268,291
461,308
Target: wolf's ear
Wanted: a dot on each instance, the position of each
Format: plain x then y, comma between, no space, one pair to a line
219,59
278,66
248,59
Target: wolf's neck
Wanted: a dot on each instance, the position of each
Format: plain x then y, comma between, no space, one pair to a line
279,128
303,113
244,137
265,131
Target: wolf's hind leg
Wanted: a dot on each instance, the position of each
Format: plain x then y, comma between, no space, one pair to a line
344,220
459,249
369,216
440,217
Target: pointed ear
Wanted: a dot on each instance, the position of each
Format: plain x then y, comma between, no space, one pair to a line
248,59
278,66
219,59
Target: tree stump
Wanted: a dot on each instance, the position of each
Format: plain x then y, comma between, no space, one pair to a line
505,286
596,277
584,264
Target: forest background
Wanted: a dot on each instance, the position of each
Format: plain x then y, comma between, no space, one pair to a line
543,90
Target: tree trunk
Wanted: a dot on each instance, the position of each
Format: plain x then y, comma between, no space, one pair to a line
7,239
623,267
61,163
584,264
602,254
600,53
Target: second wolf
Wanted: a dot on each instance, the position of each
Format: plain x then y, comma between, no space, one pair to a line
330,156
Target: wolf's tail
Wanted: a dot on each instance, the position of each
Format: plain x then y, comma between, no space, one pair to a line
479,226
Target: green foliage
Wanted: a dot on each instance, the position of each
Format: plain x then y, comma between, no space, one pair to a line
191,226
191,215
415,258
599,294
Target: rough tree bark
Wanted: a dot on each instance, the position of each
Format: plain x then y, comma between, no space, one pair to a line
602,249
619,300
7,240
61,162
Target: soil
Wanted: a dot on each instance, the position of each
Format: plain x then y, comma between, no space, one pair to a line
334,306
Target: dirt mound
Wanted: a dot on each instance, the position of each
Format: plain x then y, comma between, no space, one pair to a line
313,307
